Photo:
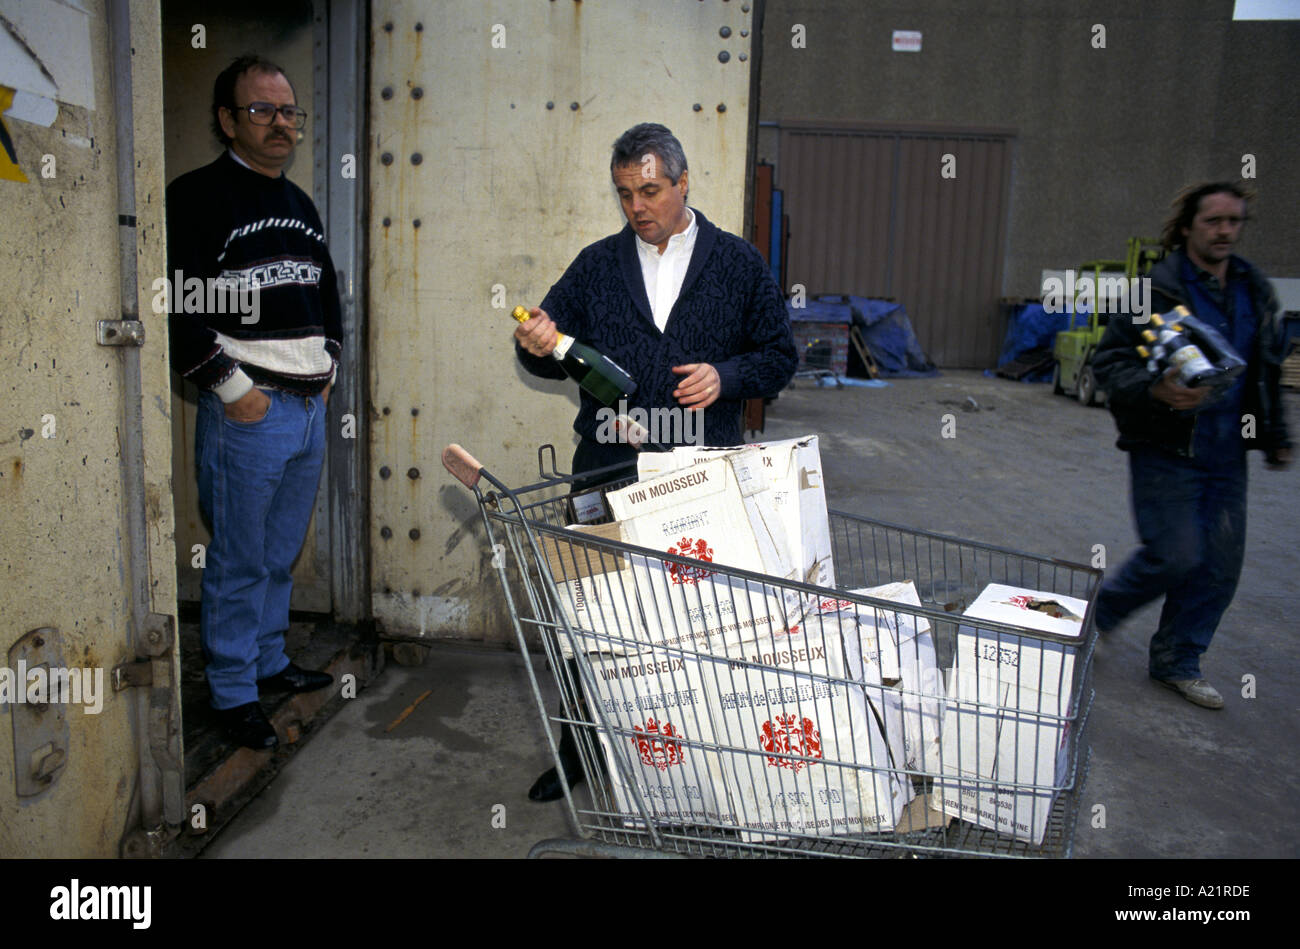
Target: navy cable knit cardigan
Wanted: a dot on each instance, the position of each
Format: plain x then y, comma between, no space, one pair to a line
730,313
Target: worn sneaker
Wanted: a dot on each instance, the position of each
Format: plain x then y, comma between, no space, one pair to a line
1197,691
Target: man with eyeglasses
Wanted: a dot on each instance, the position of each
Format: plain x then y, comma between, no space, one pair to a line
1187,451
264,381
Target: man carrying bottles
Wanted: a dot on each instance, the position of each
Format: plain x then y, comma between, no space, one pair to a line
1187,452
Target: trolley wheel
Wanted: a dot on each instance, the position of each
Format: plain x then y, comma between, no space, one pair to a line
410,654
1087,387
1056,379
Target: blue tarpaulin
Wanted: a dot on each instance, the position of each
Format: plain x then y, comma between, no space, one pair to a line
1031,327
884,326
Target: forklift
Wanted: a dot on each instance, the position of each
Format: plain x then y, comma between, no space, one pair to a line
1074,348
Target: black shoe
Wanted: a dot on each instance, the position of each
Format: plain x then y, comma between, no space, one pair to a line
293,679
248,725
548,787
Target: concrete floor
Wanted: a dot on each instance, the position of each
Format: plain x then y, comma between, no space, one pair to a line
428,787
1026,470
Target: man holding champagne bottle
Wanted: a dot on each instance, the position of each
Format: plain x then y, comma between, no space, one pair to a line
1187,452
690,313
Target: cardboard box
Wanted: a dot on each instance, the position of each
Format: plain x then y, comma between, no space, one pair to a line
920,815
718,512
793,468
597,592
788,719
1019,742
660,698
1040,673
922,699
773,715
869,647
895,649
969,747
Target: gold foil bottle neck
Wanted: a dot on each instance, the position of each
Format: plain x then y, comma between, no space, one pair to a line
520,314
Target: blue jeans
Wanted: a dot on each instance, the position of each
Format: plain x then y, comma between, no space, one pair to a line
1191,518
257,488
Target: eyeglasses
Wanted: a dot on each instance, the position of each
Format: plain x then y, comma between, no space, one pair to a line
263,113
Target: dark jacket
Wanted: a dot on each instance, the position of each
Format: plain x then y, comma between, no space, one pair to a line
1145,421
729,314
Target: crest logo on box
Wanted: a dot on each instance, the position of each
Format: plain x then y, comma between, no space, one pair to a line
834,606
1050,607
697,549
654,746
790,736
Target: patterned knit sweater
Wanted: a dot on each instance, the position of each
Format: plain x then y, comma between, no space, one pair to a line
729,314
227,221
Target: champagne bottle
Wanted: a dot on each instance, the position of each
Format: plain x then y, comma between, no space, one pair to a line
1171,348
593,370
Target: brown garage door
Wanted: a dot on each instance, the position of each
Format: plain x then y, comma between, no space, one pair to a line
871,213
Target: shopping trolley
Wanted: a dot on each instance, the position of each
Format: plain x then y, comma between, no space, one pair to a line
723,712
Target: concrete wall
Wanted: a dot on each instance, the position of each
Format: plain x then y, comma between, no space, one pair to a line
506,191
1106,137
63,547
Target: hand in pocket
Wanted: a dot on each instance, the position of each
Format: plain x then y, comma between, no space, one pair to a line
251,408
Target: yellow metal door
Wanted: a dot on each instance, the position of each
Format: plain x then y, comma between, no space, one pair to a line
491,125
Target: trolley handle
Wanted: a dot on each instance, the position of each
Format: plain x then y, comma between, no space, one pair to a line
463,466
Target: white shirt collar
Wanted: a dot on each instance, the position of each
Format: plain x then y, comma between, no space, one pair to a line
250,167
240,160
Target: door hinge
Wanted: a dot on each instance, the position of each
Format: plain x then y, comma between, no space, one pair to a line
130,674
156,641
119,332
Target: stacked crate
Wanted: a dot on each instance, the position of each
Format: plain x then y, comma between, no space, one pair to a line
822,345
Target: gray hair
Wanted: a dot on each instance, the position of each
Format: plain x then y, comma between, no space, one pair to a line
633,144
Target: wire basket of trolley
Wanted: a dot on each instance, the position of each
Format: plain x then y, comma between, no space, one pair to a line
747,674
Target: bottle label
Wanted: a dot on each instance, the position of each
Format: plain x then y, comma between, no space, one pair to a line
562,346
1191,364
